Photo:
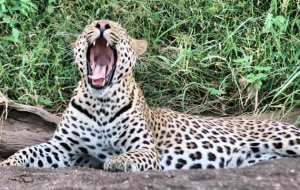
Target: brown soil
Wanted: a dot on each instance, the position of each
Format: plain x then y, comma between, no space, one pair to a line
27,125
269,175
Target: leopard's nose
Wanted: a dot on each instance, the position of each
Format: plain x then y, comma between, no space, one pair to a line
102,26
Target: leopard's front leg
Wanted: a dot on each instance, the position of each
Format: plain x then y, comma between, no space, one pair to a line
139,160
50,154
138,151
45,155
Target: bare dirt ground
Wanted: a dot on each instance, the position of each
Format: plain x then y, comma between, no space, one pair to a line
26,125
270,175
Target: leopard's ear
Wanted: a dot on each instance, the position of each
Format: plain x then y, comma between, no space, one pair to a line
140,46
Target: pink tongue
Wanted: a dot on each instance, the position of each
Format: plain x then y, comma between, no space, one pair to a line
98,74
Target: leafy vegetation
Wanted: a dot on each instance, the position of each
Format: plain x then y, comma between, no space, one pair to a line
209,56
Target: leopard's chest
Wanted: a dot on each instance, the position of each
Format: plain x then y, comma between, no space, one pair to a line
102,130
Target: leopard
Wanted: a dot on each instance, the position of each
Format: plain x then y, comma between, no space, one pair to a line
109,125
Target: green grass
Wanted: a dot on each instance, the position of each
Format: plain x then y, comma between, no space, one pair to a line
212,56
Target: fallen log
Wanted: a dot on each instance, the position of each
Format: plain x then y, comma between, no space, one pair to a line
23,125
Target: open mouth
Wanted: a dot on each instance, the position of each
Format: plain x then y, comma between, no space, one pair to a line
101,63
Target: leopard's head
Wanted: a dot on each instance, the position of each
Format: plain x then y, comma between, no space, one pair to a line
104,53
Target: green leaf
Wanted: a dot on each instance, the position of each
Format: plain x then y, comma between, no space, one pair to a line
253,78
7,20
50,9
258,85
214,91
102,2
45,101
14,36
262,68
242,60
268,24
3,8
261,76
51,1
279,20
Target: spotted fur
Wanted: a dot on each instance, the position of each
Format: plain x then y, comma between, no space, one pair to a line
108,123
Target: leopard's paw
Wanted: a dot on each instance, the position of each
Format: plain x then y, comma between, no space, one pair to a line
119,164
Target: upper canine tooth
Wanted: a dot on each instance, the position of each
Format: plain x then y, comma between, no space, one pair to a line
107,44
94,43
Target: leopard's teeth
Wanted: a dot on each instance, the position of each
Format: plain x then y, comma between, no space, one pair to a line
94,42
107,44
